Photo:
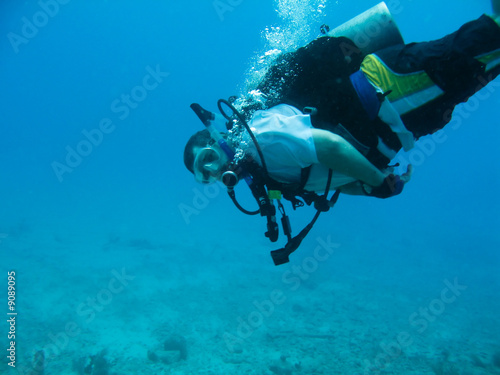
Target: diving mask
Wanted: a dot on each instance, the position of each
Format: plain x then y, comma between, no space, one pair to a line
207,165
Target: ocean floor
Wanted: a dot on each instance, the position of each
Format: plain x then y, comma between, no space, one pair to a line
98,305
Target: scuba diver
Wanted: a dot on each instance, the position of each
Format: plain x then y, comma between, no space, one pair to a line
333,114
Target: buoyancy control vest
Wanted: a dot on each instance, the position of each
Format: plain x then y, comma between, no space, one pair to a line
318,75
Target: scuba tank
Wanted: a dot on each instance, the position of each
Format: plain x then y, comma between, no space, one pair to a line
371,31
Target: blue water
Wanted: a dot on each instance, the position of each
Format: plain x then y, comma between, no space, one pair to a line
94,116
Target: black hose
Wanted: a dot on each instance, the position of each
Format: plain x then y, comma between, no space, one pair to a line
245,124
232,195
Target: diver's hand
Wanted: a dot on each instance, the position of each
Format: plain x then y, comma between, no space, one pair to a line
391,186
406,177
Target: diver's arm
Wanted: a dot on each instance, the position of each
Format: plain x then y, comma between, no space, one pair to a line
354,188
337,154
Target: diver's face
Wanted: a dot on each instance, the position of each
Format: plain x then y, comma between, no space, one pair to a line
208,164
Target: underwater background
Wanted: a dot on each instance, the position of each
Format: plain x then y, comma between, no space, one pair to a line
124,265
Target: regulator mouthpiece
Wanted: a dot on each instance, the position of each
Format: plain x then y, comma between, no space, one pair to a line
230,179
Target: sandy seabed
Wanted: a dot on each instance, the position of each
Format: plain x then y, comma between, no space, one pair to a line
110,305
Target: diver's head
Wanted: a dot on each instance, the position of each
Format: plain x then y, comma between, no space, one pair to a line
204,158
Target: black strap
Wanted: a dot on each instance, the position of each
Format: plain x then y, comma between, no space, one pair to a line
282,255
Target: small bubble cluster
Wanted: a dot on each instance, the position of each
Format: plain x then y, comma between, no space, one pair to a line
298,20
